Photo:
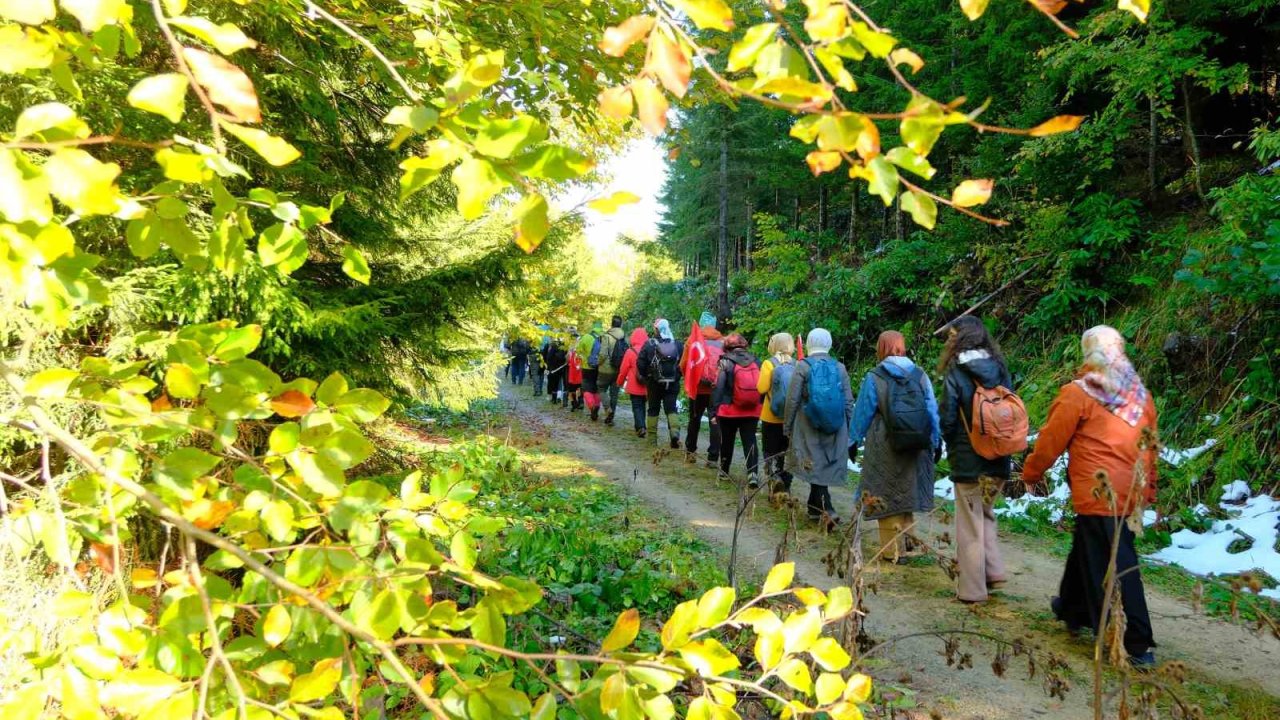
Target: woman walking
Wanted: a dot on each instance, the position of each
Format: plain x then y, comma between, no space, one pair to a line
897,417
819,408
629,379
1106,421
659,363
971,359
573,376
735,406
775,379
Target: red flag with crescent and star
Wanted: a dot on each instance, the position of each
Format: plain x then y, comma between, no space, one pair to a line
695,358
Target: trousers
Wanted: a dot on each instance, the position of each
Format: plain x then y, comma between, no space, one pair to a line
893,535
775,452
745,428
698,407
1082,589
977,544
638,410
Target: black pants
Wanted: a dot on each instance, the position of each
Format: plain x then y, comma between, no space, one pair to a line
775,452
820,501
573,395
697,408
745,428
608,385
1082,587
518,366
637,410
536,373
555,383
662,398
589,380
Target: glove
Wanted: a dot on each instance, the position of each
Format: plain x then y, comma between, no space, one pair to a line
937,455
853,452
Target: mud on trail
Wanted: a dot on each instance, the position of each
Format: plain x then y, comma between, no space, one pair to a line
910,600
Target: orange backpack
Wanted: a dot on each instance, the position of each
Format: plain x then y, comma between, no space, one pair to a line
999,422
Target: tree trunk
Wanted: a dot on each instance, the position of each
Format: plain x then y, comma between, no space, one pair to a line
822,208
853,215
1189,132
723,240
751,225
899,228
795,213
1151,146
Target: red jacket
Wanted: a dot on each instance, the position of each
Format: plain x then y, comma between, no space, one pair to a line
575,368
1096,439
629,373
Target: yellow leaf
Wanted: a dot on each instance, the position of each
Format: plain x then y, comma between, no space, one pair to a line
615,102
651,104
82,183
277,625
972,192
227,38
533,225
769,648
744,52
801,630
858,689
827,21
477,182
829,688
94,14
683,621
227,84
619,38
973,9
317,684
143,578
624,631
714,606
779,578
164,95
908,57
24,49
28,12
1139,8
610,205
795,673
1060,124
810,596
709,657
668,60
839,602
276,151
921,207
760,619
707,14
830,655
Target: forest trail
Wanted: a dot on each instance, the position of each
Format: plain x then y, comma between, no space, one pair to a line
907,600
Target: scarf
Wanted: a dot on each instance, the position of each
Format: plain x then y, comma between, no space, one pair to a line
1109,378
891,344
664,330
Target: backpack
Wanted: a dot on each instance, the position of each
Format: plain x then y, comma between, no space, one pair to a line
665,365
825,405
710,366
904,410
746,387
778,386
1000,423
611,353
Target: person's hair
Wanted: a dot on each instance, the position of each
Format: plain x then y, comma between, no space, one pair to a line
616,321
734,341
782,344
968,332
890,343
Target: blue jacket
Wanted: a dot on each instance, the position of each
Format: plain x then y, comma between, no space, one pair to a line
869,403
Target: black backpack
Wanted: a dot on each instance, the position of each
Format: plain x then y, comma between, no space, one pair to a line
665,365
904,410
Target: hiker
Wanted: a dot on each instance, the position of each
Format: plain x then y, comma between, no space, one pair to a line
816,424
609,352
897,417
974,371
1106,421
586,347
775,379
630,377
701,363
735,406
659,363
537,371
573,375
557,369
519,360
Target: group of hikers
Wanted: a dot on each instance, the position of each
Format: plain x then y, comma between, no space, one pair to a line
813,426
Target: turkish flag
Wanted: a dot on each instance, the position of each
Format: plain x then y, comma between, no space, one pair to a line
799,349
695,358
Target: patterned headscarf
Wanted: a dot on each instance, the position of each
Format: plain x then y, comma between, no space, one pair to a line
1109,377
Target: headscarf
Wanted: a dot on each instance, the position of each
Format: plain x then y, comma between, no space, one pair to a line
890,344
1109,377
706,320
782,345
597,327
664,329
819,341
734,341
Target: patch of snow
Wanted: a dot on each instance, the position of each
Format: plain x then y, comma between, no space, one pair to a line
944,488
854,467
1177,457
1206,553
1213,419
1236,492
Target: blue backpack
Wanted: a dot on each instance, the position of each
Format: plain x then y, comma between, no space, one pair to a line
825,406
778,387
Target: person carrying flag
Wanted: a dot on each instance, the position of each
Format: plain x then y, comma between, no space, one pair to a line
701,365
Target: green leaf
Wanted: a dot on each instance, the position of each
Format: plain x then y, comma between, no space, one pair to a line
383,618
317,684
54,121
552,162
911,162
921,207
284,438
877,43
624,631
24,190
533,225
462,550
489,626
362,404
277,517
707,14
333,387
181,382
418,118
881,177
477,183
239,343
545,708
744,52
318,472
505,138
354,264
277,625
50,383
714,606
779,578
227,38
179,470
283,245
276,151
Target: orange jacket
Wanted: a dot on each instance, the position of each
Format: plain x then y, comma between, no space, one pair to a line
629,373
1096,440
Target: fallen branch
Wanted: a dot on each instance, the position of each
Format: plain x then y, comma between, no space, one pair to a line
984,300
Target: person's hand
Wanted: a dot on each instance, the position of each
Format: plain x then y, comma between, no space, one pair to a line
713,420
853,452
937,455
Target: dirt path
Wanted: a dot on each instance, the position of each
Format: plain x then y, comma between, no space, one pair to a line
907,600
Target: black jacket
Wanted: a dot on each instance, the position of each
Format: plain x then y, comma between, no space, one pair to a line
555,357
649,355
722,393
957,397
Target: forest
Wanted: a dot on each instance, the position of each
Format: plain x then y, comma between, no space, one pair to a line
261,454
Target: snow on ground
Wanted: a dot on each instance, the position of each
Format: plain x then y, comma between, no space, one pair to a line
1177,457
1206,553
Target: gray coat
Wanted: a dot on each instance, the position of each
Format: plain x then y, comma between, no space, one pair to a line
816,457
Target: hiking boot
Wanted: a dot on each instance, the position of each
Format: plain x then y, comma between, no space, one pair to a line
595,414
1146,662
651,429
608,418
640,433
713,463
753,481
675,443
